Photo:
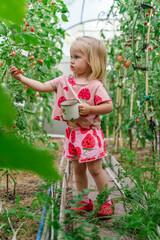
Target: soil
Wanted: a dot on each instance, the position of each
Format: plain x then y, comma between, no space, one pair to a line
27,185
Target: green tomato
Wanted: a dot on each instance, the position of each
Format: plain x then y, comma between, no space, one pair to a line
120,52
140,73
117,65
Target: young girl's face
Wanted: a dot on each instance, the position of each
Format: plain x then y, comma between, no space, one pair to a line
78,63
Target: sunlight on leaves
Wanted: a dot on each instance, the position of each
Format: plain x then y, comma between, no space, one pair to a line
20,156
13,10
7,111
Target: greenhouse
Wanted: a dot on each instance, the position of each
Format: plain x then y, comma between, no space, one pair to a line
80,120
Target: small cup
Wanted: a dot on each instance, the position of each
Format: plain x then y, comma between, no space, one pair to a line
70,109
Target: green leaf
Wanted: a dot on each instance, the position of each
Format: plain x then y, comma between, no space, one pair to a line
149,135
143,141
44,2
64,18
43,24
131,123
26,157
29,112
13,10
18,39
64,9
7,109
140,28
3,29
155,21
53,145
117,130
30,39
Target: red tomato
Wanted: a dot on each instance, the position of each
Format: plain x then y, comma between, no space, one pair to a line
127,64
32,29
21,71
119,57
25,29
13,53
40,61
137,120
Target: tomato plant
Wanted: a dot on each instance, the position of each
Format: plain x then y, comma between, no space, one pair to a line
38,38
135,90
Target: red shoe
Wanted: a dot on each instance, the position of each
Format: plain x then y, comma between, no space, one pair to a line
85,207
106,210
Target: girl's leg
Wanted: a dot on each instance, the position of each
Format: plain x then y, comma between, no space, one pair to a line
98,174
81,183
80,175
100,178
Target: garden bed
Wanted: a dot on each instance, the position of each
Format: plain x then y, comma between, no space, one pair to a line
19,206
24,205
140,151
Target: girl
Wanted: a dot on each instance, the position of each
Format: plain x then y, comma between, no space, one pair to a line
84,141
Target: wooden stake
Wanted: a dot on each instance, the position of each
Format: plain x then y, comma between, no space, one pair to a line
116,116
107,117
120,112
124,87
131,109
147,59
159,142
7,181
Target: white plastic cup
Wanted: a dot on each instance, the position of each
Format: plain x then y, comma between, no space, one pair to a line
70,109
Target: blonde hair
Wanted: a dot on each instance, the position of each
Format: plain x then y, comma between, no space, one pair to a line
95,52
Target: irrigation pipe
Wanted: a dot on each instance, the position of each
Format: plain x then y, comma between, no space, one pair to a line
42,220
52,210
45,231
63,197
48,234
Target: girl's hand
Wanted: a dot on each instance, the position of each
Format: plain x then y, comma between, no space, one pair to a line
16,73
84,109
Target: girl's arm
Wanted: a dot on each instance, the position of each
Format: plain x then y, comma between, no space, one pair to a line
102,108
33,84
